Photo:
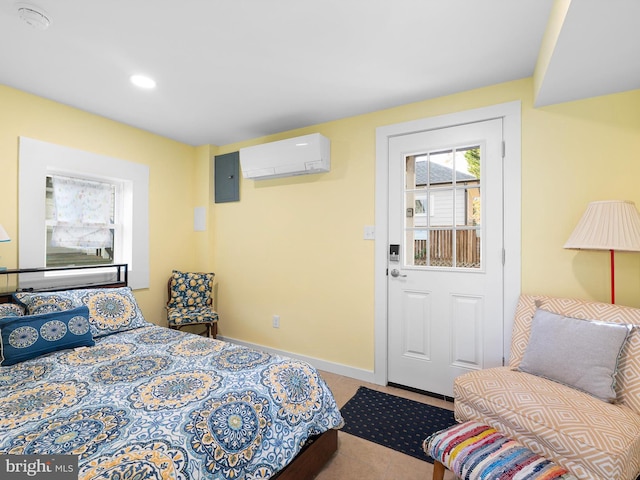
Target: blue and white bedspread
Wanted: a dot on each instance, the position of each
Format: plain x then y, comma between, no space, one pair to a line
164,404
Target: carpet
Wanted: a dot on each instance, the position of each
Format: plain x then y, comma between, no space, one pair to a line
394,422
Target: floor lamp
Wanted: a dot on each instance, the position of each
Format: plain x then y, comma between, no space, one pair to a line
608,225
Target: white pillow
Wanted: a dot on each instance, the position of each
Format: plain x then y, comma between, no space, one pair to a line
582,354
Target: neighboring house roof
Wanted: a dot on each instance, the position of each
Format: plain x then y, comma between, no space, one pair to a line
439,174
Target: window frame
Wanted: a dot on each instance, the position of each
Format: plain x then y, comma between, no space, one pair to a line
37,159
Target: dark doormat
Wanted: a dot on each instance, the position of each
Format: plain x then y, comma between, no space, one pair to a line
394,422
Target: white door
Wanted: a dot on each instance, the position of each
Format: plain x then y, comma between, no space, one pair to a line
445,285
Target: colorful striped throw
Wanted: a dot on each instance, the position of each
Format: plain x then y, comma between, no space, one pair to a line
472,450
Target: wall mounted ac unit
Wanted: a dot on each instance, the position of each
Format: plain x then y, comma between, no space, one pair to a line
285,158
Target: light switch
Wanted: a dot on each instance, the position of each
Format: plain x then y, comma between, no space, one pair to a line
369,232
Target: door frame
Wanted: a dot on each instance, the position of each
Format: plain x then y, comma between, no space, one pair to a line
511,114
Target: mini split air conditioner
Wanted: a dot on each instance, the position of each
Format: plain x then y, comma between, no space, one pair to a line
285,158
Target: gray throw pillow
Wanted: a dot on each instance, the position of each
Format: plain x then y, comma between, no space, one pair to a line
582,354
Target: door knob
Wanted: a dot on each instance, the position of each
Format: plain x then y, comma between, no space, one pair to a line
396,273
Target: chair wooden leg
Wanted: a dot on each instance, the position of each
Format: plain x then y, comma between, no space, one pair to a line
214,328
438,470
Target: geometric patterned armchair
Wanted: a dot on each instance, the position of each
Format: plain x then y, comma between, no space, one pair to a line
191,301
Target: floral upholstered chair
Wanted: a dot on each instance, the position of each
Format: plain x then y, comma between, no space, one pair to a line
191,301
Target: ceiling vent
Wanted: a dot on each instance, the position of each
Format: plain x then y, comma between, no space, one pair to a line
34,16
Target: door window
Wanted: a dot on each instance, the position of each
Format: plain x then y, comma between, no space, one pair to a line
443,205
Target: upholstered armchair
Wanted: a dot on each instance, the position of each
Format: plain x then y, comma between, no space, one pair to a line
191,302
589,424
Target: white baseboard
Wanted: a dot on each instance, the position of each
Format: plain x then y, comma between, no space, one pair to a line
331,367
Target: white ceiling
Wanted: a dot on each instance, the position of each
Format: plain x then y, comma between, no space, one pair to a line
231,70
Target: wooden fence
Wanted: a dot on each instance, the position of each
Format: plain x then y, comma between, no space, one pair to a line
440,249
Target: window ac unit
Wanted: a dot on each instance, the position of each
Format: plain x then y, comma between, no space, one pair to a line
285,158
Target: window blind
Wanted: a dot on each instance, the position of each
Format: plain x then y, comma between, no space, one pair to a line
82,213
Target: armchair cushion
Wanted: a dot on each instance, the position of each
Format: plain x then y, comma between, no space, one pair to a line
191,315
579,353
188,289
592,438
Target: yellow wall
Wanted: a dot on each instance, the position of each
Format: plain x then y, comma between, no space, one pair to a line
294,246
575,153
173,174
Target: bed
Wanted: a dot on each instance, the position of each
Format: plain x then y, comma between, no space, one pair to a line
135,400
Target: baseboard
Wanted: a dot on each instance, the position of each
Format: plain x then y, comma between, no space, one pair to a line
331,367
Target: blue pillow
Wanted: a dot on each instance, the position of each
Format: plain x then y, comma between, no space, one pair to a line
30,336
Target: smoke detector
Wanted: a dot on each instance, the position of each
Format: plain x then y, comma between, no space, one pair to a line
34,16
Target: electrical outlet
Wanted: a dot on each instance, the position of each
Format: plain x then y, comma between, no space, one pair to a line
276,321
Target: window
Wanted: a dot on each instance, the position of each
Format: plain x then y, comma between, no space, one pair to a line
81,221
111,228
446,184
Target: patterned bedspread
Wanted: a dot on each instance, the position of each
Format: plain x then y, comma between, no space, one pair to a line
164,404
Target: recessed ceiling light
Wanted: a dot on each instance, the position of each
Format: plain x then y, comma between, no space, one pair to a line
143,81
33,16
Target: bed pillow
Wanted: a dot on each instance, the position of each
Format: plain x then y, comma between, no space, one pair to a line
582,354
29,336
10,310
111,310
36,303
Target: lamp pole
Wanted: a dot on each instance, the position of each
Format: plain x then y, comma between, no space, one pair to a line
613,278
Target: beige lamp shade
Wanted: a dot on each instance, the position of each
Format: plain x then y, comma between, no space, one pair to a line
607,225
4,236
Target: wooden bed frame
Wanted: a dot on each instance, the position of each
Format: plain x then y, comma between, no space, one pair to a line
309,461
311,458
